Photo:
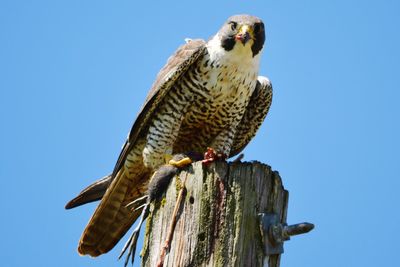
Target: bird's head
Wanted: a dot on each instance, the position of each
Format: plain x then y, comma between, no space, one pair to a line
243,32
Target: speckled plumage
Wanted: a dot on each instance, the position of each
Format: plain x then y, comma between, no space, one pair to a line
207,95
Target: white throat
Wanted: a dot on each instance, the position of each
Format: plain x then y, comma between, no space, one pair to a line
240,56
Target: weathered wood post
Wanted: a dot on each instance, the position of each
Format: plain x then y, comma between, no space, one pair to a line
219,221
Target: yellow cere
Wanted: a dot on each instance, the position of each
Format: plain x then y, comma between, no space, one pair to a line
246,28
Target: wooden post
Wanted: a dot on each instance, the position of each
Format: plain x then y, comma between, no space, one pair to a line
218,222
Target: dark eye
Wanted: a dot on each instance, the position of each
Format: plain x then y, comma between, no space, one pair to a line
257,28
233,25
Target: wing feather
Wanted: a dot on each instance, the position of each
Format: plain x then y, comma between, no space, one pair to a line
112,218
256,111
176,65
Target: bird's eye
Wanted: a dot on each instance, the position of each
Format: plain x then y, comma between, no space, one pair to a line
257,28
233,25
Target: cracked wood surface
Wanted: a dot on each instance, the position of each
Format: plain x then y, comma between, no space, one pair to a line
217,223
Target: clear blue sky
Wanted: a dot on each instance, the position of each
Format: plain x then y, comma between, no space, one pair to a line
75,73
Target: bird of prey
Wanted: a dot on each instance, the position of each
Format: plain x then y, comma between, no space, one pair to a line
208,95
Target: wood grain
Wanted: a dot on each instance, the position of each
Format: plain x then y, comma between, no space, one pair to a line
217,222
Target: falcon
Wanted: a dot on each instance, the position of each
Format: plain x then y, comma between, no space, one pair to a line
208,97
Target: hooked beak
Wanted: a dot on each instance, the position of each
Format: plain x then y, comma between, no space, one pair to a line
244,34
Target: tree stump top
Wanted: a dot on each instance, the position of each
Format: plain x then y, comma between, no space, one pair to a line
218,223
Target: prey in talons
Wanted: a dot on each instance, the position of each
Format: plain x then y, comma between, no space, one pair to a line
156,188
208,94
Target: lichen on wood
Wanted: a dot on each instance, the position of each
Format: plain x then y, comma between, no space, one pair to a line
218,221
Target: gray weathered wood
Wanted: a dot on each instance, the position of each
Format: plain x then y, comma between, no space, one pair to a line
217,223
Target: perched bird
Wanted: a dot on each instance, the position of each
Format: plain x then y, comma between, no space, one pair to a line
208,95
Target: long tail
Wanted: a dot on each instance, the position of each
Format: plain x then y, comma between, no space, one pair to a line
112,218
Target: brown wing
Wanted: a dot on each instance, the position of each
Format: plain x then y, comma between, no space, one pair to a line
255,114
112,218
176,65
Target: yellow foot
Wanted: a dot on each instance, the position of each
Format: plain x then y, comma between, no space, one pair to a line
180,163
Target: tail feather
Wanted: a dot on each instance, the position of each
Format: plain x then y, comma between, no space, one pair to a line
93,192
112,218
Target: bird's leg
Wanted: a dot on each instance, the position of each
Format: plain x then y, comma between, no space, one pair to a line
211,155
220,147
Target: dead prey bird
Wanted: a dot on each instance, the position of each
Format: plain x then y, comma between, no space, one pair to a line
157,186
208,95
